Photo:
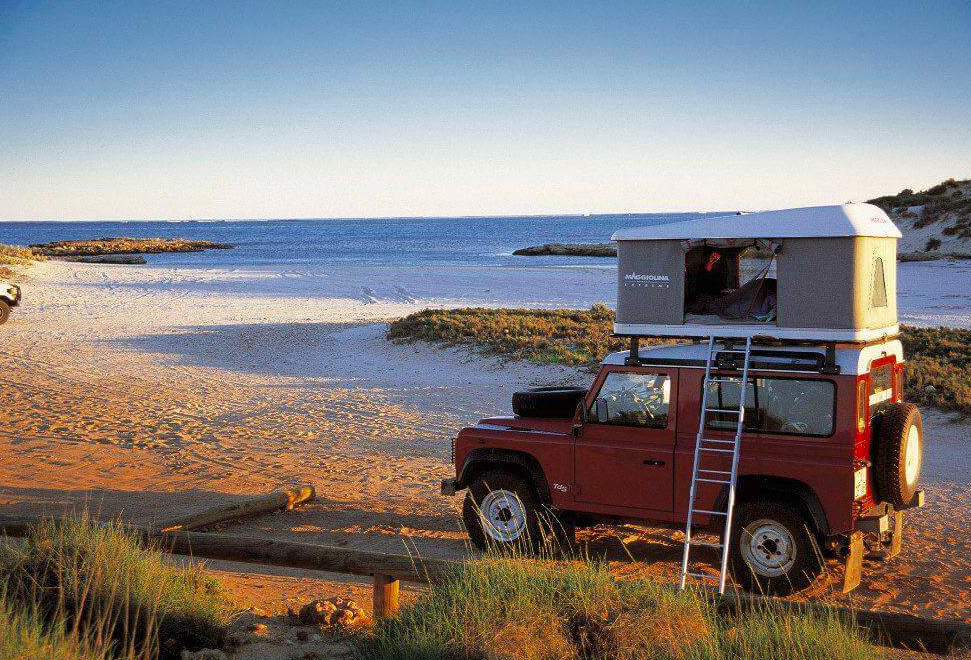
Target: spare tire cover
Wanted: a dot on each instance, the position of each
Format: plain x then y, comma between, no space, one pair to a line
547,401
899,453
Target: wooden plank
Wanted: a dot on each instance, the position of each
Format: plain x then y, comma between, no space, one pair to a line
300,555
284,498
853,563
386,590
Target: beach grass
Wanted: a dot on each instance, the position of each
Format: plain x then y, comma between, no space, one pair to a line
938,359
93,589
505,608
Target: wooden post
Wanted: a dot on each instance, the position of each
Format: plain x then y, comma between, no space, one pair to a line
385,596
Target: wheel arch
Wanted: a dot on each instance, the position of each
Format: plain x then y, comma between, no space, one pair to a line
779,489
484,459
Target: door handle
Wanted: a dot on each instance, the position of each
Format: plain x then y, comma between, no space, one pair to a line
648,461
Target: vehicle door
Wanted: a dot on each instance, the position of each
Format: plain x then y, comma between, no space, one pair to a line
625,447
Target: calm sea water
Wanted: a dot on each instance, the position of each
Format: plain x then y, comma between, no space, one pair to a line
486,241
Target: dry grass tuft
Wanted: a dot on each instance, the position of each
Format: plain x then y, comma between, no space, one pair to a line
94,587
497,608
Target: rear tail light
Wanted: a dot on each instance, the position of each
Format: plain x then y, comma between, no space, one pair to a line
862,414
898,382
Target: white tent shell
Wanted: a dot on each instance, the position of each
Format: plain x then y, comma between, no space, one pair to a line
808,222
836,274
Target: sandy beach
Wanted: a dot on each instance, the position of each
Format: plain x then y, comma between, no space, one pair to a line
146,392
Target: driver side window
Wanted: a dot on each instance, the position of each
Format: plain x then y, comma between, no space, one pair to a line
633,399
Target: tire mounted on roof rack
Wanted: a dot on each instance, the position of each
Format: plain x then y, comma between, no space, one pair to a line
547,401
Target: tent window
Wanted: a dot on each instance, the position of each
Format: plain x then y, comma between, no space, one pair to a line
713,277
879,284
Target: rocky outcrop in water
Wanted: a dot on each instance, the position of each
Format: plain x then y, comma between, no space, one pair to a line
569,250
123,245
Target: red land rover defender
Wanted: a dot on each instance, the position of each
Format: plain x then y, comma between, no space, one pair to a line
830,453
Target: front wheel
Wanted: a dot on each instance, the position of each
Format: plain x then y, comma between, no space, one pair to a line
501,512
771,550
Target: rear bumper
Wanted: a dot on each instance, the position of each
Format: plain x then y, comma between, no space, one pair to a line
449,486
878,519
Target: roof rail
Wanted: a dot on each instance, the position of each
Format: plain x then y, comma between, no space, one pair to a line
727,358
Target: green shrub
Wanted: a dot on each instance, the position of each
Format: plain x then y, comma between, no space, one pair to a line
548,336
938,367
508,608
99,580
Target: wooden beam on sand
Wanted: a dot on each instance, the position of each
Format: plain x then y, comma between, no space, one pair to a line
937,636
284,498
301,555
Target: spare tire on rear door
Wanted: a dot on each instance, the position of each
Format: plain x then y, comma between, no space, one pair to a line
898,454
547,401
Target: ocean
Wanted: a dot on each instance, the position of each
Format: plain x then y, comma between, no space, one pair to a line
475,241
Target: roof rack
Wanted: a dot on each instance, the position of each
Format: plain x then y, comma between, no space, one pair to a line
730,358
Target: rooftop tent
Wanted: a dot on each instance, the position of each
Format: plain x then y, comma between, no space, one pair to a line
835,275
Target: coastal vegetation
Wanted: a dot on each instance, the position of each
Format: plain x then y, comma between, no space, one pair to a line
949,201
548,336
77,590
502,608
123,245
938,359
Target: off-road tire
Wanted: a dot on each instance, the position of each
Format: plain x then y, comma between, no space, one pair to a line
807,563
4,312
532,536
891,453
547,401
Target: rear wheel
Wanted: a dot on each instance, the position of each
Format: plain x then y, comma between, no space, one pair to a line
501,512
772,550
4,312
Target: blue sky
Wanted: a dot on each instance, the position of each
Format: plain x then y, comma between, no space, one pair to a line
323,109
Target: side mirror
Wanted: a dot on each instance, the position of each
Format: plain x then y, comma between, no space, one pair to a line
603,412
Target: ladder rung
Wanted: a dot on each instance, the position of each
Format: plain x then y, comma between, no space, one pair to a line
719,451
735,379
703,575
710,513
713,471
723,411
706,544
713,481
724,442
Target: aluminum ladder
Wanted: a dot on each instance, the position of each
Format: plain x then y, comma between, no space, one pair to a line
704,448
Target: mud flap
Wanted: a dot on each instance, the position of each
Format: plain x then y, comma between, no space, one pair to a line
854,563
897,538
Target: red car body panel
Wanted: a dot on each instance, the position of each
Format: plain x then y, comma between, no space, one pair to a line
645,473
